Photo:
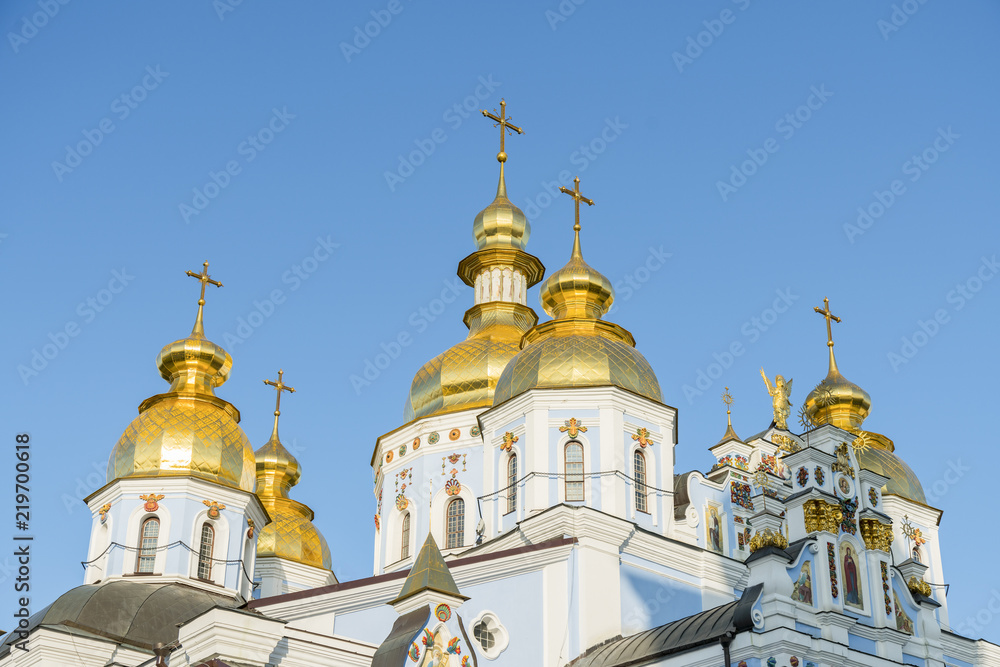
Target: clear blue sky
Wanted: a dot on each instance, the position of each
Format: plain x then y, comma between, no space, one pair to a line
600,94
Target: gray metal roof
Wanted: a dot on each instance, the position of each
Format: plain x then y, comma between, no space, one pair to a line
677,636
394,648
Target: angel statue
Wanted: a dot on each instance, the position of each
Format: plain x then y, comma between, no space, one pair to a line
779,398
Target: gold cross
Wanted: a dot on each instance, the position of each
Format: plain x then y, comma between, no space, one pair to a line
505,125
825,312
577,198
205,280
279,386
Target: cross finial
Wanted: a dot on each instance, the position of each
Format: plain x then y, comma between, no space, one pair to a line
199,327
577,198
279,387
727,398
503,121
825,312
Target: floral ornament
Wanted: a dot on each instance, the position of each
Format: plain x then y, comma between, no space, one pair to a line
508,441
873,496
402,450
453,646
213,508
433,438
452,487
465,661
378,523
574,426
442,612
885,588
414,652
802,476
771,662
415,444
848,521
820,475
453,458
832,561
428,639
388,457
643,436
475,432
793,661
401,502
250,527
740,495
454,434
151,499
103,512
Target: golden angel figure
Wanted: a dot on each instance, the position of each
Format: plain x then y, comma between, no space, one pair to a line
779,398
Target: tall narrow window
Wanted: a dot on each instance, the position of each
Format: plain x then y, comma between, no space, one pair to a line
205,552
404,538
512,482
574,471
639,463
456,523
148,535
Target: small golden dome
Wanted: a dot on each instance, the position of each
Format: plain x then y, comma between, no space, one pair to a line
838,401
501,223
188,430
577,290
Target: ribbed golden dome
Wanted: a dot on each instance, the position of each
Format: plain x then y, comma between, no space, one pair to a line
188,430
878,454
291,534
577,348
838,401
501,223
465,375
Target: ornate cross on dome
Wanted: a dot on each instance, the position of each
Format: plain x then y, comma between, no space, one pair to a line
279,387
577,198
505,126
825,312
205,280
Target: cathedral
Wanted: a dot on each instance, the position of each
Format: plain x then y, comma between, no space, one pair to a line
528,512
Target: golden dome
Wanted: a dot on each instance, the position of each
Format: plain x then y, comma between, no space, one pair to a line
879,456
465,375
577,348
188,430
501,223
838,401
291,534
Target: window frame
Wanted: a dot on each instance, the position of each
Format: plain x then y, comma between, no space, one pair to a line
145,553
404,536
575,477
459,531
203,559
511,482
639,468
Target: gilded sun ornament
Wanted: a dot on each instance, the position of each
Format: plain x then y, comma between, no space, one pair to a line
861,443
760,477
574,426
643,437
805,420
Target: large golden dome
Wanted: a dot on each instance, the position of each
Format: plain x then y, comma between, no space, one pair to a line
576,348
188,430
878,454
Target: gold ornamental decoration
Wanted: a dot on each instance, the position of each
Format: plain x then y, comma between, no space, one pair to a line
643,437
103,512
250,529
843,463
503,122
919,586
820,515
877,535
785,444
152,501
508,441
768,538
214,507
780,393
574,426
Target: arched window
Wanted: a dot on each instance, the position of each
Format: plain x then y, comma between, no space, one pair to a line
205,551
456,523
148,535
404,538
639,463
512,482
574,470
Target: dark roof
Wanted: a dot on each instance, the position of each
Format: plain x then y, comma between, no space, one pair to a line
429,573
126,612
394,648
760,553
681,499
795,547
677,636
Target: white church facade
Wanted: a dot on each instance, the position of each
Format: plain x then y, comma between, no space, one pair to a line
528,512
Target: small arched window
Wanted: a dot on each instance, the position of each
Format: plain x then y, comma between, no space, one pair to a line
456,524
404,538
148,536
639,463
574,471
512,483
205,551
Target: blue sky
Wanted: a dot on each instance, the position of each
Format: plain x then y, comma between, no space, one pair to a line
740,138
